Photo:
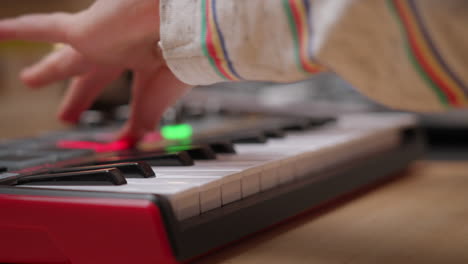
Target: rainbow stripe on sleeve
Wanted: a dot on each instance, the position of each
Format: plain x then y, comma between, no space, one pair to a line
425,57
213,43
299,14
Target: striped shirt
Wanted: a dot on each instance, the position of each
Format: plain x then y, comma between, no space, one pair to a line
407,54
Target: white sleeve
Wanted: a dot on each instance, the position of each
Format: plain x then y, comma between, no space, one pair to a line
407,54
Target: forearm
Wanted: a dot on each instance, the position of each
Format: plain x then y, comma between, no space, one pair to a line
400,53
230,40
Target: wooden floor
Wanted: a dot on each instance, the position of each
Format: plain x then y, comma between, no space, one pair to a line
421,217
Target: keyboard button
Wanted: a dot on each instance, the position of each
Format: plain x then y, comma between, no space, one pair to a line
93,177
129,169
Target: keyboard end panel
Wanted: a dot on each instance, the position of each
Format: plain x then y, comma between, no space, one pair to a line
50,226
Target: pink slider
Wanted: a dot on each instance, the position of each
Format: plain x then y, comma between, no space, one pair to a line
121,144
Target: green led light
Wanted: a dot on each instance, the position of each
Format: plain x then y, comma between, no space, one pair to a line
177,132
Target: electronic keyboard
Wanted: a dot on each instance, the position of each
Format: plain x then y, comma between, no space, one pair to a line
75,197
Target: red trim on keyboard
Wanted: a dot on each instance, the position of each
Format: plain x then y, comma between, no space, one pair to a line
39,229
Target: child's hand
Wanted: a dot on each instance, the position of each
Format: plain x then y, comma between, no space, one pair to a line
100,43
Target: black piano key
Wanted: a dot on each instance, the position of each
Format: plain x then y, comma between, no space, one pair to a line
93,177
3,169
171,159
275,133
181,158
296,125
320,121
224,147
8,179
129,169
197,152
246,138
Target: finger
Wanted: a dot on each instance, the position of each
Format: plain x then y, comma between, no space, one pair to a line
39,27
152,95
83,91
59,65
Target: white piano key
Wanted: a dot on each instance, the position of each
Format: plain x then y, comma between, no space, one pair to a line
284,147
374,121
185,206
209,188
311,161
231,189
269,176
194,174
210,192
286,157
286,172
183,194
250,181
209,199
289,157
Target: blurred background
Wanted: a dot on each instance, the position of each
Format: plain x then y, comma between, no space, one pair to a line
25,113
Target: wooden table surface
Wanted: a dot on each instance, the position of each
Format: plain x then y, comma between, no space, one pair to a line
422,217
